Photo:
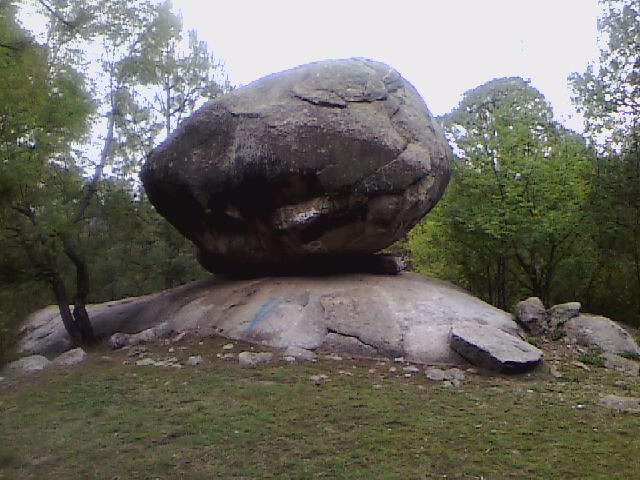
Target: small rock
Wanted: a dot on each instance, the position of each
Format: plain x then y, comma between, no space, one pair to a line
146,362
172,350
228,357
560,314
118,341
251,359
580,365
454,376
299,353
335,358
435,374
622,365
399,359
318,379
411,369
228,346
553,370
194,361
70,358
180,337
621,404
32,363
2,379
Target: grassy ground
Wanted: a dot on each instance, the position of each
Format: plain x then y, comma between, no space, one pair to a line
109,419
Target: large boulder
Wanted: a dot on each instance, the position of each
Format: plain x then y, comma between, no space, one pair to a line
307,168
407,315
532,315
600,333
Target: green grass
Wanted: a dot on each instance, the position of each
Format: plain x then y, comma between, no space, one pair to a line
106,420
594,359
631,356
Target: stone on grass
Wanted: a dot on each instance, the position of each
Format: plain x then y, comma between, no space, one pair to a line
150,335
454,376
493,349
70,358
621,404
304,169
180,337
252,359
299,353
146,362
532,315
622,365
194,361
601,333
318,379
32,363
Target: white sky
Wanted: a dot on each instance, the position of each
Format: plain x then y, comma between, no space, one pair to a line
443,47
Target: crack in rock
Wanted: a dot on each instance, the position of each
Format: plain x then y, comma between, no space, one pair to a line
366,345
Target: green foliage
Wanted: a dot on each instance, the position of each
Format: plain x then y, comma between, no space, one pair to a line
593,358
631,356
558,334
101,66
608,94
512,214
41,113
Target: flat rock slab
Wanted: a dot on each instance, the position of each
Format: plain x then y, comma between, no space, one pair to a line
600,333
406,315
488,347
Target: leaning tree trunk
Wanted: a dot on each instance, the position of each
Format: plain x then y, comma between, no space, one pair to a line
70,324
80,314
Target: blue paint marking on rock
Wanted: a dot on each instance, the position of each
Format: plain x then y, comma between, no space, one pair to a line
264,311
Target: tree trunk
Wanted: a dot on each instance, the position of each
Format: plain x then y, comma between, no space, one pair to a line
80,314
60,291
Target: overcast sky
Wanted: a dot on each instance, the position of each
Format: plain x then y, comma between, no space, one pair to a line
443,47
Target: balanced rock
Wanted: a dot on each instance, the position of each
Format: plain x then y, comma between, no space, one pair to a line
320,165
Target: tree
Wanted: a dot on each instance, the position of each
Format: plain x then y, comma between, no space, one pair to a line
608,95
54,194
42,111
512,212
